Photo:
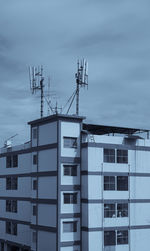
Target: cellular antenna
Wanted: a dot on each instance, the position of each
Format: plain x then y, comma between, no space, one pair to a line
81,79
37,83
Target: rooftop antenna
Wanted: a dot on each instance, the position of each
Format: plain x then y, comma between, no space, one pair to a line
8,142
81,79
48,96
37,82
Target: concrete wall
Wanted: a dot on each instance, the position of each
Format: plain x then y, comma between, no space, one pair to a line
70,129
48,133
46,241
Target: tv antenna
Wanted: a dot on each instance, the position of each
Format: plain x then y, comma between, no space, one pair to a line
37,82
8,142
81,79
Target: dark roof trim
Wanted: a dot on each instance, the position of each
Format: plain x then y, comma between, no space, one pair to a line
102,129
56,117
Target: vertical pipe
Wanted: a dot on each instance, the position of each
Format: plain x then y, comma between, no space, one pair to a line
77,98
42,95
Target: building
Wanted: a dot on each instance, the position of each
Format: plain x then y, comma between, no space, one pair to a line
76,187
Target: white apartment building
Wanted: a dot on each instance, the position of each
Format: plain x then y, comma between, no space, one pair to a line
76,187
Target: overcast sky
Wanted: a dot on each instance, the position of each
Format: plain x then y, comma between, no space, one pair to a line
113,35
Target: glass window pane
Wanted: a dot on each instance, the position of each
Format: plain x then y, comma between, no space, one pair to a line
15,160
109,182
122,210
70,142
8,162
122,156
109,155
122,237
122,183
109,238
109,211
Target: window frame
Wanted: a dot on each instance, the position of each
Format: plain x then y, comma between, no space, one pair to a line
115,185
73,226
109,212
12,183
122,156
72,170
71,198
11,227
122,186
110,241
34,133
70,142
35,159
109,155
123,238
109,185
34,184
115,155
11,206
12,161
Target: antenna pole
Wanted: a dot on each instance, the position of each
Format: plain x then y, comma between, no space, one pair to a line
77,100
37,83
81,80
42,96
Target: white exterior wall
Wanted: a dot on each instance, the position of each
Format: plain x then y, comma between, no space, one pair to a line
70,129
140,239
92,189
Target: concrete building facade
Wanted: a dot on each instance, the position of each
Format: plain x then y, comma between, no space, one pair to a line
76,187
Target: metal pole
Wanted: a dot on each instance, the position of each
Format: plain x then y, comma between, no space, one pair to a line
42,96
77,98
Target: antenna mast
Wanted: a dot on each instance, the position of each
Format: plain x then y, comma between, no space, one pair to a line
37,83
81,80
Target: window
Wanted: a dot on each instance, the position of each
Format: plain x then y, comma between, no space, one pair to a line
122,210
109,155
109,238
119,183
11,228
11,183
122,237
122,183
34,133
115,210
2,246
109,211
34,210
35,159
12,161
122,156
70,170
112,238
69,226
34,184
109,182
34,236
70,198
115,156
70,142
11,206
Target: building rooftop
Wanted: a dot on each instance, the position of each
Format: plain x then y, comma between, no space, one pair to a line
55,117
102,129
